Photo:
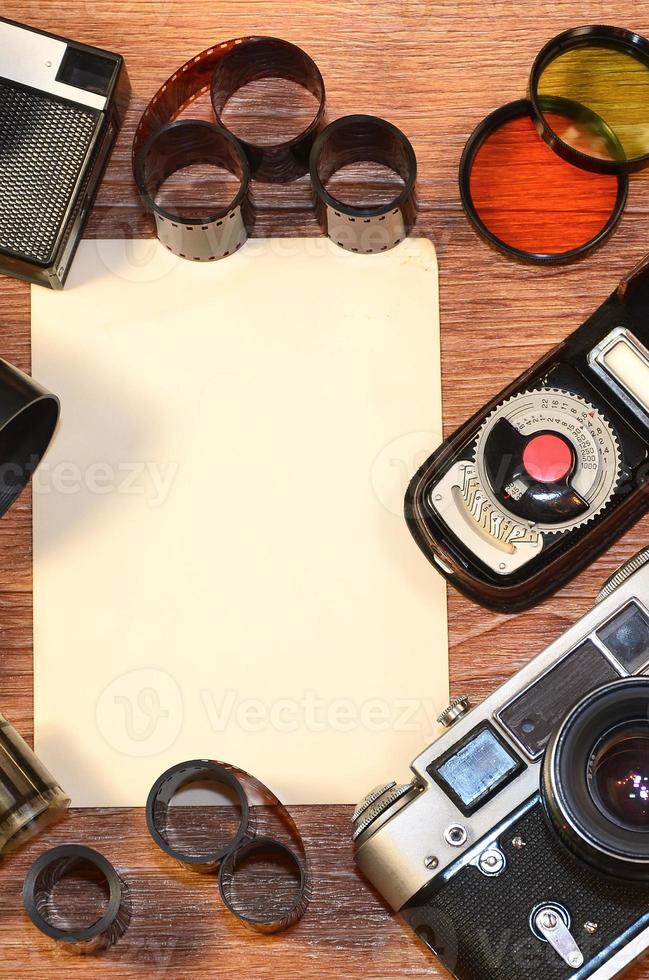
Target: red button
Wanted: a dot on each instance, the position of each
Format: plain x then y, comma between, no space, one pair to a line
547,458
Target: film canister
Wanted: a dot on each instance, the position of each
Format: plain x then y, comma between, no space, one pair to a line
30,797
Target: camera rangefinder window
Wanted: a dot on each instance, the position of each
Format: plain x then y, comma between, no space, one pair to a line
533,716
618,775
627,637
476,769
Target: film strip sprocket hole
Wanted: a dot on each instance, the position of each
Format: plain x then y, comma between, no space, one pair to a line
212,817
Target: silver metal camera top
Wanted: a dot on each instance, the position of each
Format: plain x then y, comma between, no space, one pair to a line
32,58
396,836
456,710
622,574
378,802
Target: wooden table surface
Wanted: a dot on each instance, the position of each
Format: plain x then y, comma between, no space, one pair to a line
435,69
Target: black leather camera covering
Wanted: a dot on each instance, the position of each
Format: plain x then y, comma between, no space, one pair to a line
479,926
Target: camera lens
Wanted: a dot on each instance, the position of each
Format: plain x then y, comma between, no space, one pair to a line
595,783
618,776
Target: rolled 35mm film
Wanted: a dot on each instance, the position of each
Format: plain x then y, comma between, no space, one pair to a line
272,912
212,817
258,58
360,139
219,230
61,921
30,797
605,70
28,417
195,846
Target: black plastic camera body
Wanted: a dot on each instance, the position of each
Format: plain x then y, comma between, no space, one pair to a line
61,107
520,850
481,926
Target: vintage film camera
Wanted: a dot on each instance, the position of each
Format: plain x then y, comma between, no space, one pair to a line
520,850
541,480
61,107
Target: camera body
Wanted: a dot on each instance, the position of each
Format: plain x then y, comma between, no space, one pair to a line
542,479
520,849
61,107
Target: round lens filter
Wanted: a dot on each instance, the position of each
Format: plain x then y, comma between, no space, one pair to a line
527,201
605,70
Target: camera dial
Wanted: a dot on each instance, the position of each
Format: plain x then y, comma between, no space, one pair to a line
381,804
456,710
595,782
623,573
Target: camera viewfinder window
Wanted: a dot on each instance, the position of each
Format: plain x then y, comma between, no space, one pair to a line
627,637
476,770
87,70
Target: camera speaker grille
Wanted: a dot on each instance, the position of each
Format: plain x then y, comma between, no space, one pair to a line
44,143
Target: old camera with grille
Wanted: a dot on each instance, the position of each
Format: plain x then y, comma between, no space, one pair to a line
61,107
520,850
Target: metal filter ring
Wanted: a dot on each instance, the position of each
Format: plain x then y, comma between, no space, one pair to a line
355,139
541,164
607,69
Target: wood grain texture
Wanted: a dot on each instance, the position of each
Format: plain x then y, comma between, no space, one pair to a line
435,69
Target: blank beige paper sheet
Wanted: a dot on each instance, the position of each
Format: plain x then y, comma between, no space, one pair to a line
221,565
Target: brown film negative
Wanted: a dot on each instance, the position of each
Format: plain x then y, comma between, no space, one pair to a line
358,139
245,825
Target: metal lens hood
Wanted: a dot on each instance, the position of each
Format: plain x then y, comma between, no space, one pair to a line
28,418
586,824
